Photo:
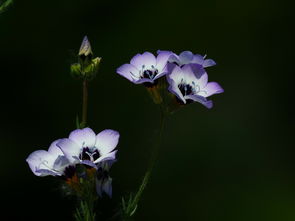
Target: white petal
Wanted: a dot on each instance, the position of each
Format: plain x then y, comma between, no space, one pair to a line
202,81
129,71
40,159
83,137
147,60
162,59
55,150
70,149
189,74
106,141
108,156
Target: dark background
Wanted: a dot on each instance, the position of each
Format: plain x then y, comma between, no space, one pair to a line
234,162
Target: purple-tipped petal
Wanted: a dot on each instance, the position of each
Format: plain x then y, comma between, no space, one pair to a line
185,57
70,149
146,60
198,59
213,88
83,137
200,99
208,63
162,59
129,72
106,141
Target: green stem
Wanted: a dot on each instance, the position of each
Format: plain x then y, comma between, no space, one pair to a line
132,205
85,103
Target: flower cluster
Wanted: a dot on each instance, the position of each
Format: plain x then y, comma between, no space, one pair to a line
185,74
82,147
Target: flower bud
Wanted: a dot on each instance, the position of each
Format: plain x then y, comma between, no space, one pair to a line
87,67
85,48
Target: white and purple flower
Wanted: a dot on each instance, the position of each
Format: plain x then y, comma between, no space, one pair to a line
51,162
145,68
190,83
84,146
187,57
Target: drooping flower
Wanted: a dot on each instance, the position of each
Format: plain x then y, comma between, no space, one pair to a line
145,68
190,83
187,57
103,179
51,162
84,146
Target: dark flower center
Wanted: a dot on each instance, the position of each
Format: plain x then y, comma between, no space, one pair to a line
89,154
150,74
185,89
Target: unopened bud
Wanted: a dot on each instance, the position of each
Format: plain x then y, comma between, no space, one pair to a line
87,67
85,49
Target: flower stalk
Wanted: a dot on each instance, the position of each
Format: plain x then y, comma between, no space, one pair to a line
131,206
85,104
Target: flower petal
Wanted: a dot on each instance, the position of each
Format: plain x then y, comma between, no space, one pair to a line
202,81
174,59
186,57
190,72
198,59
40,159
144,80
89,163
83,137
70,149
106,157
46,172
174,79
208,63
213,88
162,59
55,150
197,69
129,71
106,141
200,99
144,61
